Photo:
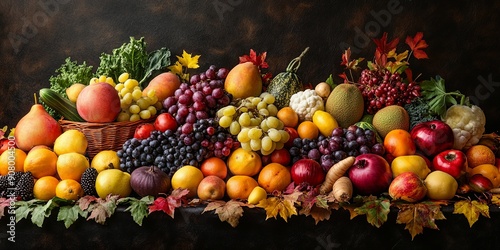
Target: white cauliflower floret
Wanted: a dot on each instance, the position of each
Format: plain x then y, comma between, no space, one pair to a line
305,103
467,123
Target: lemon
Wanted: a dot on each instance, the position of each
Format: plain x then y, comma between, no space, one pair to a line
325,122
440,185
188,177
74,90
71,141
258,193
106,159
113,181
410,163
71,166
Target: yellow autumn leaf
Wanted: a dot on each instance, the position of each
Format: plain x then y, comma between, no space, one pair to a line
495,199
471,210
188,61
176,68
276,205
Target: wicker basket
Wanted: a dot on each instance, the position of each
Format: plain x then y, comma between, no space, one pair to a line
104,136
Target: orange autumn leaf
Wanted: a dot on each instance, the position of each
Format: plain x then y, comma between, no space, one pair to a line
417,45
229,212
419,215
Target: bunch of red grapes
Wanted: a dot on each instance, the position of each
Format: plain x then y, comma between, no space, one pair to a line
383,88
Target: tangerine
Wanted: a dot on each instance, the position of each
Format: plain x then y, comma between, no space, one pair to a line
274,176
16,156
214,166
45,188
308,130
69,189
478,155
288,116
243,162
398,142
41,161
240,186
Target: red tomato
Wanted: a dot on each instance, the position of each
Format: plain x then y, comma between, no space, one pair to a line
143,131
398,142
165,121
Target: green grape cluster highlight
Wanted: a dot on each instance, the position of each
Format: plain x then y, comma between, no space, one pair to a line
254,123
135,104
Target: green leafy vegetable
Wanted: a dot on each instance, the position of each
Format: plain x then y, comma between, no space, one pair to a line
68,73
418,111
434,93
133,58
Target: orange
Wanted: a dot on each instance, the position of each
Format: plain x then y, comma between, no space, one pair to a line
489,171
187,177
274,176
214,166
45,188
69,190
240,186
398,142
71,166
288,116
16,158
243,162
41,161
308,130
479,154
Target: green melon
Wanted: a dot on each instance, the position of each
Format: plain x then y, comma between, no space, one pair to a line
345,104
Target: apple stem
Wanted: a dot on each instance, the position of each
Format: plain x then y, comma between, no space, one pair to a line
450,157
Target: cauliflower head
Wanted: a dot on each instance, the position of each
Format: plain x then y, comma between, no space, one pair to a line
305,103
467,123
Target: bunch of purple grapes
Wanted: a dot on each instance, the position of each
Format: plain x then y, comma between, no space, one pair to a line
342,143
171,150
198,99
383,88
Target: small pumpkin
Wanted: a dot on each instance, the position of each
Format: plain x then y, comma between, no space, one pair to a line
287,83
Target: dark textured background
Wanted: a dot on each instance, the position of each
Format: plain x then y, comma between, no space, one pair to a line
463,38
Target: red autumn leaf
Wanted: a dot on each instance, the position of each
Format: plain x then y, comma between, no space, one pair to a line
417,44
259,61
85,201
4,202
170,203
383,48
344,76
347,62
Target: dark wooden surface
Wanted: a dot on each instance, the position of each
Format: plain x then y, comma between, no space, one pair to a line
36,37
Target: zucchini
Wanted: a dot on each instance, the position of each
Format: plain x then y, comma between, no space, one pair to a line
60,104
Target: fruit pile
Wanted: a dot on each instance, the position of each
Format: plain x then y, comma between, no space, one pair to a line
219,135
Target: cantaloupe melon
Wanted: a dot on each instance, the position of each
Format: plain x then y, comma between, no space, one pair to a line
345,103
390,118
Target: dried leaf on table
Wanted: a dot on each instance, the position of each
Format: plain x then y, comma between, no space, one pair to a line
471,209
416,216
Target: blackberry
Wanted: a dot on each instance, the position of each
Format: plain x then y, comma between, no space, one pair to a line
24,187
4,182
88,181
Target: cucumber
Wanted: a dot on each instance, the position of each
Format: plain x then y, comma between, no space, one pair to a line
60,104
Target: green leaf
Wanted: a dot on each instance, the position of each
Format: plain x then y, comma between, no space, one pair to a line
41,212
69,214
330,82
138,208
158,60
375,209
22,210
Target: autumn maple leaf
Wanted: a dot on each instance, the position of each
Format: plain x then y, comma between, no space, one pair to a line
383,48
347,62
417,44
259,61
170,203
189,61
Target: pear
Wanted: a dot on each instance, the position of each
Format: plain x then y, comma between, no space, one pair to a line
37,127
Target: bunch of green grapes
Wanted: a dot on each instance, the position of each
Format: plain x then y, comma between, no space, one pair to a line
134,104
254,123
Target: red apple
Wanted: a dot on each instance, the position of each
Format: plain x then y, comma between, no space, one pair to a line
293,134
370,174
451,161
479,183
165,121
266,159
281,156
211,188
307,171
4,145
143,131
407,186
432,137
